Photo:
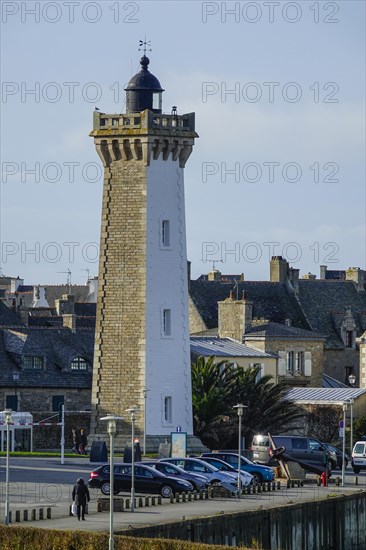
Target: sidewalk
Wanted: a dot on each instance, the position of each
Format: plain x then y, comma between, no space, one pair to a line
167,512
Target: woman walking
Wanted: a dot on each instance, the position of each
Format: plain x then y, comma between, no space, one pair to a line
80,495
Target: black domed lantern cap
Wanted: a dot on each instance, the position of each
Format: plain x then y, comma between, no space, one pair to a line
144,91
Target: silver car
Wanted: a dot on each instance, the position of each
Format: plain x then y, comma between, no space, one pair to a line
213,475
198,481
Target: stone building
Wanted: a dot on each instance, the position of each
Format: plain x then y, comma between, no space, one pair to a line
332,308
142,352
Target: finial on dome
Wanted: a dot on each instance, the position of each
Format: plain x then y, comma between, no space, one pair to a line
145,43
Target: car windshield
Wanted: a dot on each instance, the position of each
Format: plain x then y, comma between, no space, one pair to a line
359,448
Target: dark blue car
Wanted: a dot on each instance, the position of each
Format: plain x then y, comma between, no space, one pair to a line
259,472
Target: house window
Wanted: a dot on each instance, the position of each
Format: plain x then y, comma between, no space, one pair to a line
290,362
168,410
349,339
165,233
167,322
12,402
32,362
299,362
79,364
57,401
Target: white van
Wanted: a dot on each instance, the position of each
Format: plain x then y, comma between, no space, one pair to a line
359,457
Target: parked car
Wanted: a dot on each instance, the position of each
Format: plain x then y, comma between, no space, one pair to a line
359,456
212,474
199,482
260,450
259,472
336,456
246,478
147,480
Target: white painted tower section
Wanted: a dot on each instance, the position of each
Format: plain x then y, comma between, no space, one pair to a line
168,376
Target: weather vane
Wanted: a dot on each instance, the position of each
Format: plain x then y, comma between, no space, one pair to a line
146,46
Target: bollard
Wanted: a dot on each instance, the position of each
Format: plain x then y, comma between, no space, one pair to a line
259,488
10,516
171,499
34,512
127,503
278,485
177,498
206,496
195,494
40,513
147,501
17,516
49,513
269,486
25,515
160,500
356,480
273,485
189,496
184,496
201,495
288,484
140,504
153,501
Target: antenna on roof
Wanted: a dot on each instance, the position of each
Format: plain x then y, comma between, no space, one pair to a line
88,273
68,280
236,286
215,261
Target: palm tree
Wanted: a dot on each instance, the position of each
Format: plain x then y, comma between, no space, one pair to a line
211,397
217,387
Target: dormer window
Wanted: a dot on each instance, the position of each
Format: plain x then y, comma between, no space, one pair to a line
349,338
34,362
79,364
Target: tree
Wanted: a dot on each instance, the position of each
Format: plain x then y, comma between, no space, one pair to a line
217,387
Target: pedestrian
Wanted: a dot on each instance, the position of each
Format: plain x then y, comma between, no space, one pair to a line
80,495
83,442
75,440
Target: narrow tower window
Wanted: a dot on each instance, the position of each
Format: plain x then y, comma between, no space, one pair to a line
168,416
167,322
165,233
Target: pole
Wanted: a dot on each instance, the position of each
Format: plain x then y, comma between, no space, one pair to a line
351,401
62,434
133,464
7,474
111,493
239,461
344,442
145,396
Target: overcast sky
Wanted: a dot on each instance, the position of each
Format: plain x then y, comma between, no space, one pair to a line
278,89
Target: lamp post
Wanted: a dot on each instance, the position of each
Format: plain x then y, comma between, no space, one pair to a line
352,381
112,430
15,378
132,411
7,422
145,390
344,442
239,408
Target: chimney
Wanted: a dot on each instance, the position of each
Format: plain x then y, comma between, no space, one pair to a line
15,284
356,275
278,269
293,275
235,317
69,321
39,297
66,304
309,276
323,271
24,315
214,275
93,290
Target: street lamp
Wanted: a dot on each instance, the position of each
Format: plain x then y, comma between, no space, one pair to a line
145,390
112,430
344,442
352,381
132,411
239,408
7,422
16,378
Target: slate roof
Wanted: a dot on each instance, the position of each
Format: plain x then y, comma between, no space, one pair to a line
270,300
329,382
55,292
278,331
58,345
8,318
223,347
325,303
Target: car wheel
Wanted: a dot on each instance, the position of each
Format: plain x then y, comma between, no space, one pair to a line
105,488
356,470
257,478
213,481
166,491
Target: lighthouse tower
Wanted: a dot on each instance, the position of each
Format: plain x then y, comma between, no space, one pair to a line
142,352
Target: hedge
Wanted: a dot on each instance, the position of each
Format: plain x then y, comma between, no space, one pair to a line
29,538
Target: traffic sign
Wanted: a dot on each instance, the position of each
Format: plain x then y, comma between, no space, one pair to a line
340,424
